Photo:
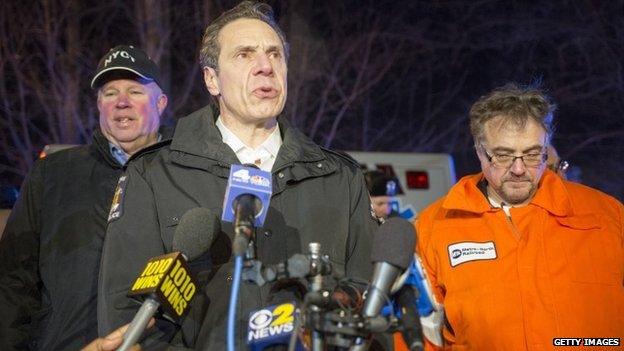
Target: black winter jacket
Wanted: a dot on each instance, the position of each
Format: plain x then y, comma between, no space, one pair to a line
50,250
318,196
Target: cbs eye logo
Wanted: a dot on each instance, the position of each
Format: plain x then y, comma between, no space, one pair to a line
261,319
281,314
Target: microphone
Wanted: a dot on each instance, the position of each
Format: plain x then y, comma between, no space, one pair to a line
166,280
393,250
271,326
424,307
410,319
246,203
199,227
346,296
297,266
429,311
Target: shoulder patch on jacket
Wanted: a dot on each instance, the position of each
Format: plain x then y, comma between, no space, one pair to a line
343,155
116,209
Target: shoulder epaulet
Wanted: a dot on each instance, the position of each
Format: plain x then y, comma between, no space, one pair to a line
343,155
149,149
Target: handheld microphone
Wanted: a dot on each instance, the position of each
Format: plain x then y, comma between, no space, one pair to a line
424,307
166,280
271,326
393,249
406,298
430,311
199,227
246,203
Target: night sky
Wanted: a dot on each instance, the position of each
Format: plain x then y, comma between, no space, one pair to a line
363,75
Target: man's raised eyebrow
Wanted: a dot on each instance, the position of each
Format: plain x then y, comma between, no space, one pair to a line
245,48
535,147
510,150
502,149
274,48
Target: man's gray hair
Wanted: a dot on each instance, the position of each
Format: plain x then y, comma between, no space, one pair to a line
210,48
517,104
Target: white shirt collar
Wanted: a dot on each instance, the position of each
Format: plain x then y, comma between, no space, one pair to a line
265,153
229,137
505,207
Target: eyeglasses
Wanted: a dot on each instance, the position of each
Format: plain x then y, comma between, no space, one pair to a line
534,159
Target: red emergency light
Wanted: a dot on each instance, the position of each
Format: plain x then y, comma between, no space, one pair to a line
417,179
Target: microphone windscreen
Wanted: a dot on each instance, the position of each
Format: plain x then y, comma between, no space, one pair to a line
197,230
394,243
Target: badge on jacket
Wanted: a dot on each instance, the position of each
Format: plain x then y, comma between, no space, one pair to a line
116,209
471,251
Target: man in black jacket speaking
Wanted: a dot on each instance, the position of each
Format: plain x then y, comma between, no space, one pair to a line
50,249
318,195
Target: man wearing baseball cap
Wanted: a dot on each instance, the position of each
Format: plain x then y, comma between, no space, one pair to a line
381,189
50,250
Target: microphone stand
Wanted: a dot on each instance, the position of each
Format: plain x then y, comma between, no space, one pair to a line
316,285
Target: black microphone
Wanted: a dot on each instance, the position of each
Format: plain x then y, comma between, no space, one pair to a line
246,207
410,319
246,203
393,250
166,280
199,227
297,266
344,296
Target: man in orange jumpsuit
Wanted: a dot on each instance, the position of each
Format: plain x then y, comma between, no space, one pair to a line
519,257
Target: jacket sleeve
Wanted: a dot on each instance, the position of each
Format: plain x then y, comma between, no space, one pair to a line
20,296
361,229
132,237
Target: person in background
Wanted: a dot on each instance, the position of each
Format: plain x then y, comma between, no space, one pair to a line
555,163
381,189
518,256
51,246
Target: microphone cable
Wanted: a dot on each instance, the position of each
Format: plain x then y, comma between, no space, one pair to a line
238,268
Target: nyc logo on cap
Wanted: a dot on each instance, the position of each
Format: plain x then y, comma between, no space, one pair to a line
119,53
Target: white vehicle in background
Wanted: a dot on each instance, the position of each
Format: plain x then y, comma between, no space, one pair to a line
423,177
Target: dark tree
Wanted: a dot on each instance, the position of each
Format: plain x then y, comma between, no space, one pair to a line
363,75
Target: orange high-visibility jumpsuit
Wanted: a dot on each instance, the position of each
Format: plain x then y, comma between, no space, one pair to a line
553,269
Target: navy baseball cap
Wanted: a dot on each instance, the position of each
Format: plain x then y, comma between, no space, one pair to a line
380,184
128,60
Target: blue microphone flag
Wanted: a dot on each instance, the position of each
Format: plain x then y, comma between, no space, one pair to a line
251,181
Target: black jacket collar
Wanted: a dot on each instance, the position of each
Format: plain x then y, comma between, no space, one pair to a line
102,147
197,134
